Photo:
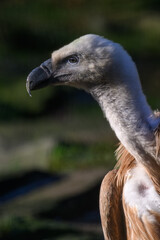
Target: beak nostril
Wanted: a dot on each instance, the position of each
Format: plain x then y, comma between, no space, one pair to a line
47,67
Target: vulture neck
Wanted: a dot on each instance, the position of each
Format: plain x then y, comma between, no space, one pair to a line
124,105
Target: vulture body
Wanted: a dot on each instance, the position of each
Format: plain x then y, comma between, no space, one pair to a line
130,194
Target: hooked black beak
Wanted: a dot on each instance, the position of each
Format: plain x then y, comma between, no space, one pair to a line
40,77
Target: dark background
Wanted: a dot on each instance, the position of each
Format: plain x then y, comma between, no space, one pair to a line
56,147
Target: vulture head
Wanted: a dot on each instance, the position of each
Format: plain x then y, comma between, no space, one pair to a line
104,69
88,62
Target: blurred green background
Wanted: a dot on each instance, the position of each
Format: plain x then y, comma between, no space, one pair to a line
56,147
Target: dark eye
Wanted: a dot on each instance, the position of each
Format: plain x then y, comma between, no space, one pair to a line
73,60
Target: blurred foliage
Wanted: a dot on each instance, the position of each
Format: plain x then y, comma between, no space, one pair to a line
31,30
69,156
32,228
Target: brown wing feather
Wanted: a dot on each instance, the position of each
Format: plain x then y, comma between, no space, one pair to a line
111,211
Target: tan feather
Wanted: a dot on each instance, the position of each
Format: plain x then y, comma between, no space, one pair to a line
125,162
157,136
140,228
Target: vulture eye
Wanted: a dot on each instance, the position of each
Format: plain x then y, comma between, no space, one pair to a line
73,60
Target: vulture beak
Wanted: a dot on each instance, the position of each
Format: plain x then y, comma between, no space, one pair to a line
40,77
